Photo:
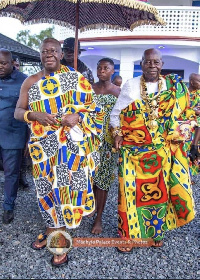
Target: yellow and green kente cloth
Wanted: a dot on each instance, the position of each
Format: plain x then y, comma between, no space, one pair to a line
194,103
155,192
63,167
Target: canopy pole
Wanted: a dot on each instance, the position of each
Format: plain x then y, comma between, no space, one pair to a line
76,36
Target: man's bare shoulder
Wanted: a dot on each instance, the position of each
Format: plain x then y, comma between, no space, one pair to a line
33,79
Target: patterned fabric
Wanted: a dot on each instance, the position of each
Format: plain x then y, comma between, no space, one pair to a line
194,103
155,193
108,159
63,168
83,69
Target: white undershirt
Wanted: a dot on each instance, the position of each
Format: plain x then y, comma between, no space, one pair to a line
129,93
152,87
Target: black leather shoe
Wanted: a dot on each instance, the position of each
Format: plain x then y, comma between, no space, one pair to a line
1,165
8,216
23,181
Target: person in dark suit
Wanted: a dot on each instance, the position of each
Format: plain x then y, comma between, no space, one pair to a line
13,132
26,163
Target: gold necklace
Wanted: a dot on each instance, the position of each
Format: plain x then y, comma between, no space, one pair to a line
152,103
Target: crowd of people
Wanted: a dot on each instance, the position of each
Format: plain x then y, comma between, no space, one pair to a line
77,132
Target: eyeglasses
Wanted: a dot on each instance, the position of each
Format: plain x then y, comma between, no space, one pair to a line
45,52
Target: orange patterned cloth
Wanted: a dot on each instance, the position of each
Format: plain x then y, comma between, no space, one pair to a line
155,192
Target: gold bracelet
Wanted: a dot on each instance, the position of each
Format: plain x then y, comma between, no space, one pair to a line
116,131
25,116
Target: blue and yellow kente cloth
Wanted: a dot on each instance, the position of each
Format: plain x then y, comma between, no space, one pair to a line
63,167
155,189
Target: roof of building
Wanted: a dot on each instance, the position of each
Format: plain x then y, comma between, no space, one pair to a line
26,54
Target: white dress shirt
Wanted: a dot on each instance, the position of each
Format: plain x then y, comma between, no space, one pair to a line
129,93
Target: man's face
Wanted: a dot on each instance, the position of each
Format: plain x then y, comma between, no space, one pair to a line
196,82
69,55
118,82
151,66
105,70
16,64
50,55
6,65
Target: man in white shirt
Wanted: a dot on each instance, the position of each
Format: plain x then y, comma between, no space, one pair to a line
147,124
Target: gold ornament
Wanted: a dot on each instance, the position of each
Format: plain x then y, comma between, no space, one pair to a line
153,124
116,131
152,103
154,114
26,116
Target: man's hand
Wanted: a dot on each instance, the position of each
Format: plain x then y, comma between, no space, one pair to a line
70,120
194,153
44,118
118,142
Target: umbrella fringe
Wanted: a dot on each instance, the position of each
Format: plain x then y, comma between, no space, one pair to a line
83,29
37,21
116,27
126,3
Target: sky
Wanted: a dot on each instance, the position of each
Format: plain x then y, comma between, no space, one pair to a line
10,27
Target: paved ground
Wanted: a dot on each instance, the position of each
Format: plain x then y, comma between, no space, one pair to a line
179,258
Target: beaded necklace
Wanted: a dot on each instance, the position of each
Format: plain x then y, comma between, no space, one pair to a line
152,103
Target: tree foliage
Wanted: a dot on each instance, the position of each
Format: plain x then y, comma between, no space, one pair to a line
34,41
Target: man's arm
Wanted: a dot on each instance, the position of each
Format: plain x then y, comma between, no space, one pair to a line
22,106
194,152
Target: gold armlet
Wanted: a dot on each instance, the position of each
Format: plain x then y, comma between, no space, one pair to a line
116,131
26,116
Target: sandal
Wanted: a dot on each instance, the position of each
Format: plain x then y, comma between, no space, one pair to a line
41,237
60,263
157,243
125,250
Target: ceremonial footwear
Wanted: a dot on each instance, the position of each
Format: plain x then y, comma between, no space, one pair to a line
158,243
61,262
41,237
124,250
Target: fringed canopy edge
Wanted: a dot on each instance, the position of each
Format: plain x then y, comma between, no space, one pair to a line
126,3
86,28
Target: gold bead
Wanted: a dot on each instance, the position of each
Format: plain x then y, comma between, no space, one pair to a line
154,103
154,114
153,124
